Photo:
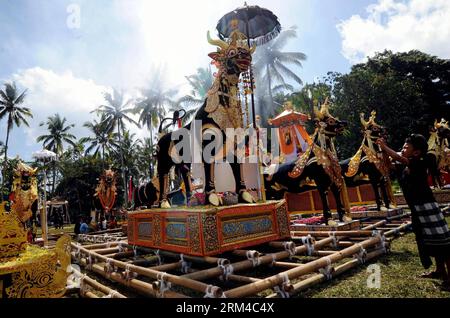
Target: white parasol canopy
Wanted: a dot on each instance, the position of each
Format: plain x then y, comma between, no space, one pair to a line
44,154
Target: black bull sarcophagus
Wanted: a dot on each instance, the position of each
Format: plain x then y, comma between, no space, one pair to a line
222,109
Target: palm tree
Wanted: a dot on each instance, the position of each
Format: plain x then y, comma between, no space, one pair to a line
115,115
10,99
270,62
130,145
156,100
58,134
145,158
201,83
100,140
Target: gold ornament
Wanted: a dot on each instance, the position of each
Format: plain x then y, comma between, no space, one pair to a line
13,237
371,121
39,273
35,272
324,110
24,191
106,190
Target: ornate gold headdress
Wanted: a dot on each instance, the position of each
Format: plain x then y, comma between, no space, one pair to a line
324,110
371,120
443,123
24,190
236,39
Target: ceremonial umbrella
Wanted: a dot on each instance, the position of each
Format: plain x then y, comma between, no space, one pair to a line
259,26
45,156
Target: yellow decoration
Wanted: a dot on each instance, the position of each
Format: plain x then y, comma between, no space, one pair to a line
371,121
13,237
35,272
367,151
324,110
439,146
226,114
25,191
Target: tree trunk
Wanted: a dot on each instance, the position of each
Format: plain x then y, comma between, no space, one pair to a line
151,149
122,166
271,110
5,162
103,157
6,143
54,178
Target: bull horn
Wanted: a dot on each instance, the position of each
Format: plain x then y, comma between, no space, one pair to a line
324,110
363,121
253,48
317,113
222,44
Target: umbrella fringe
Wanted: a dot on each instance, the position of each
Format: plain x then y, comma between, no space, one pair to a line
268,37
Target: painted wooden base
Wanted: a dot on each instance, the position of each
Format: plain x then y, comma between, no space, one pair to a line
125,228
310,202
349,226
441,196
209,230
374,213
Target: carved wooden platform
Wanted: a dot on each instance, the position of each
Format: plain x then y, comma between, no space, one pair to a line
310,202
374,213
209,230
342,226
441,196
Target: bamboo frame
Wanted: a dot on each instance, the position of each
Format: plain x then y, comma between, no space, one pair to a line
96,285
330,247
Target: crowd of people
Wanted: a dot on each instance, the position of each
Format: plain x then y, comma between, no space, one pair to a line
86,225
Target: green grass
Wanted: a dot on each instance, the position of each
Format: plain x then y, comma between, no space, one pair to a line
400,271
68,228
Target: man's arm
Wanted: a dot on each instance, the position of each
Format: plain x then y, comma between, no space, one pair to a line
394,155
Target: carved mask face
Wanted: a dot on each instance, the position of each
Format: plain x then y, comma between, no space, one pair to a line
333,126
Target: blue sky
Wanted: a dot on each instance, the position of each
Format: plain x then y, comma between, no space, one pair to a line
118,43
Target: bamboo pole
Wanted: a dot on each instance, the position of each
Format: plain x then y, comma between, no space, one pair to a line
323,253
90,295
188,258
287,264
147,262
373,226
136,285
282,245
345,243
248,264
398,229
246,253
154,274
319,278
104,251
122,255
242,279
100,245
293,273
336,233
106,231
93,283
167,267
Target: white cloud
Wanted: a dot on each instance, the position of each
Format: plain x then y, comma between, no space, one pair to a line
70,96
50,93
398,26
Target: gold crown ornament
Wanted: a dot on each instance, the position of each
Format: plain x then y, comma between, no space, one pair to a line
371,120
